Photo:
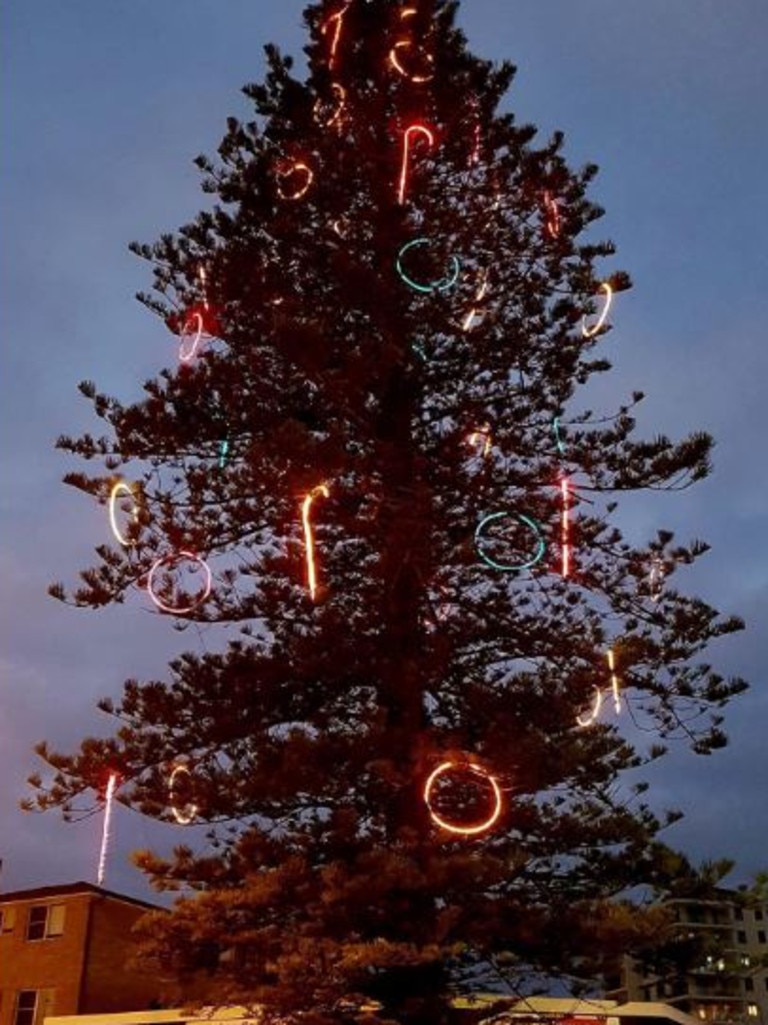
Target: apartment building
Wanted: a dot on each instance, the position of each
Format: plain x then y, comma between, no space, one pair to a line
730,986
64,950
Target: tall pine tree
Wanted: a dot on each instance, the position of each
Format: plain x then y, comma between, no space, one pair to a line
410,748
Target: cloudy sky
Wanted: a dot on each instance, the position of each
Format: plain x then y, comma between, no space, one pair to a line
103,108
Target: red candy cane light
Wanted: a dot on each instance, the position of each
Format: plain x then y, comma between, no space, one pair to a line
411,133
333,25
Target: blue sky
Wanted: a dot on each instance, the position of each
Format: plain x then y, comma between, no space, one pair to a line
103,108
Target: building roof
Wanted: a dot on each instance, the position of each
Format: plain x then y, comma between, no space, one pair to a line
71,890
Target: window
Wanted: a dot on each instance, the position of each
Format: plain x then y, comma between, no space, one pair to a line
758,915
761,935
7,919
32,1006
26,1006
738,914
45,921
749,985
741,936
752,1010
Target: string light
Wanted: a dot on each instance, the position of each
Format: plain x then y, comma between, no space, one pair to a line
565,527
452,827
328,114
395,61
598,704
193,328
590,332
300,168
558,437
223,452
552,219
337,19
481,437
469,320
187,813
411,131
441,284
510,567
123,487
309,544
105,831
656,579
168,561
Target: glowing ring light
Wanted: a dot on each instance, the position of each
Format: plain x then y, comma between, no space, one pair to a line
186,815
595,710
167,560
322,107
590,332
113,496
193,324
298,168
394,60
439,285
508,567
451,827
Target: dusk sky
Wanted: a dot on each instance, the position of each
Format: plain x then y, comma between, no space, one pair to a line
104,105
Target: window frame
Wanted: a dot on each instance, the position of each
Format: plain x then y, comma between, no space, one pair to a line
49,925
18,1010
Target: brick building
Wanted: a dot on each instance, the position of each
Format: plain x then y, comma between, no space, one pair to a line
63,950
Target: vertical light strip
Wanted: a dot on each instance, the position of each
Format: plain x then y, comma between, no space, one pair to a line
309,543
105,833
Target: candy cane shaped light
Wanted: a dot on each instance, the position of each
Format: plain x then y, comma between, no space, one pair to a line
168,561
590,332
504,566
452,827
565,527
469,320
119,488
106,828
595,711
309,543
408,135
185,813
300,174
439,285
333,24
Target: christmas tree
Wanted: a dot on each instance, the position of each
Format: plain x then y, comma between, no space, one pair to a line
370,467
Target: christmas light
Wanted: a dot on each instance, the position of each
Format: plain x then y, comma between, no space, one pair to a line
552,219
337,20
441,284
410,132
328,114
168,561
590,332
105,832
223,452
656,579
395,60
510,567
469,320
483,438
186,813
309,545
306,177
122,487
192,329
558,437
452,827
592,716
565,530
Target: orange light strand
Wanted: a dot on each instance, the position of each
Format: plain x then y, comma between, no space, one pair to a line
337,20
452,827
309,543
